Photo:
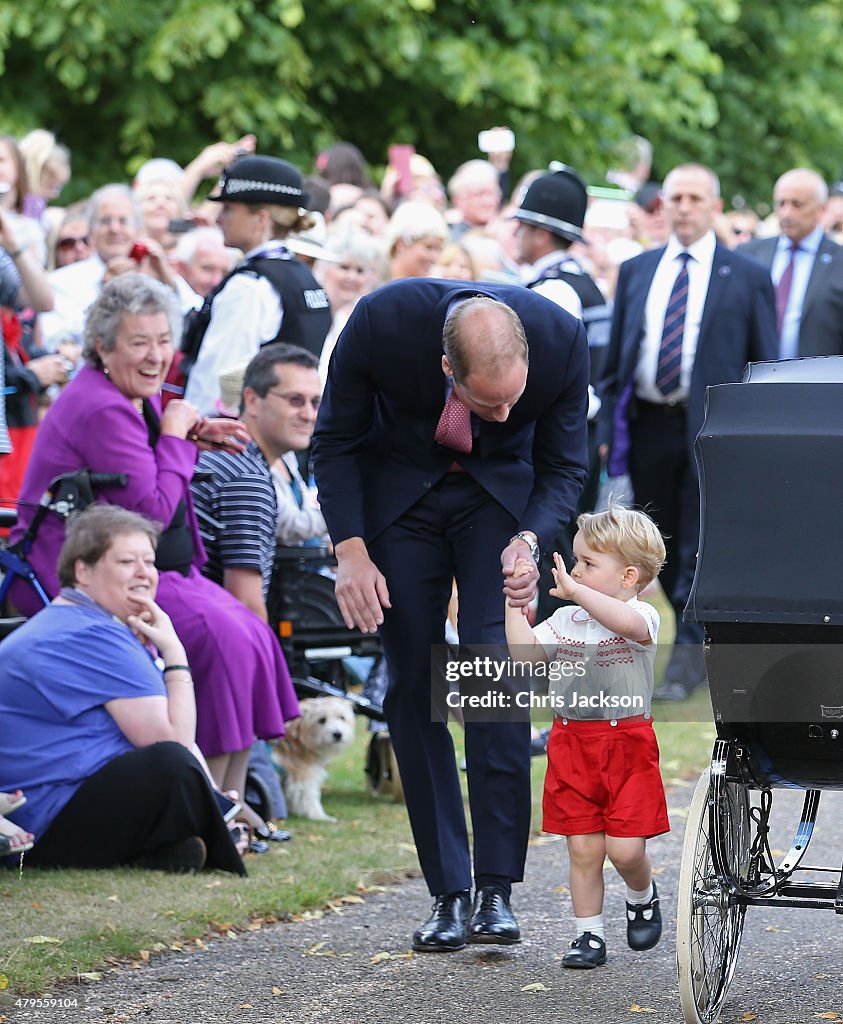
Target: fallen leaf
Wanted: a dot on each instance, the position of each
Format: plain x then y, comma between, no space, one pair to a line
562,890
245,1006
351,898
748,1015
35,905
828,1015
91,975
42,940
772,928
144,954
379,958
276,991
213,885
535,986
822,977
4,982
113,899
635,1008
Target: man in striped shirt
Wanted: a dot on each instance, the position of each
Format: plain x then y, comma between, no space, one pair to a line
238,508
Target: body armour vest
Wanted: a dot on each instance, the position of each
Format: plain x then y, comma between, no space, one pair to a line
306,316
596,311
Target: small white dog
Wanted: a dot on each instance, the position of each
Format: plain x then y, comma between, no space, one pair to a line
325,729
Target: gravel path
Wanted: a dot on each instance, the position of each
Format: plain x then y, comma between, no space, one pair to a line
353,968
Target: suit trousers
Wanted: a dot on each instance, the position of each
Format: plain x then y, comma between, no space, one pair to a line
457,530
666,486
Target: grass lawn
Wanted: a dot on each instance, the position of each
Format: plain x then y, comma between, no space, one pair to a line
64,924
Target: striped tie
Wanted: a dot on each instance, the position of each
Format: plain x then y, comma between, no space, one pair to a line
670,350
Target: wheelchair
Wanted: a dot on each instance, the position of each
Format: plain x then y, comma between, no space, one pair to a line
302,609
767,590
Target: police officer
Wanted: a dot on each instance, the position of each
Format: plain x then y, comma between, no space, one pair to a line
551,218
271,296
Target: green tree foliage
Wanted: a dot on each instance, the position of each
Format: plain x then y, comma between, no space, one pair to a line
744,85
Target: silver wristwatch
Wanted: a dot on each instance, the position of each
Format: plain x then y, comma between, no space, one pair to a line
531,544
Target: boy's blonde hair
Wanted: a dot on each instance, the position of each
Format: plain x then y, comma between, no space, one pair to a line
626,532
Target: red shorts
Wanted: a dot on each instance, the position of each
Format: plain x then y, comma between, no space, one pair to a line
604,777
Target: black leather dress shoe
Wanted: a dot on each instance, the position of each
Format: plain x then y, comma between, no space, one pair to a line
492,919
644,932
444,930
586,952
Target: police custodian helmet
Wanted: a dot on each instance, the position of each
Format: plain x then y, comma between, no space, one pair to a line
555,202
262,180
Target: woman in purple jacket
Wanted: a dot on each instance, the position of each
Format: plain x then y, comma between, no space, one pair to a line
108,420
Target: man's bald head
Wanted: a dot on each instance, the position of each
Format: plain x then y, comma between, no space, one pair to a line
486,354
799,199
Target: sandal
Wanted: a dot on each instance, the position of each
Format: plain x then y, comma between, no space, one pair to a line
14,840
269,833
10,802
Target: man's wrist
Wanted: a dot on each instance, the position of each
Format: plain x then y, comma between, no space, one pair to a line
531,541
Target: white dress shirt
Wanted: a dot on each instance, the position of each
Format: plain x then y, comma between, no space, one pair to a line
803,264
555,289
699,274
245,315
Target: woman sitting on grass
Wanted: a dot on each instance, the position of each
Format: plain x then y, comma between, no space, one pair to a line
99,727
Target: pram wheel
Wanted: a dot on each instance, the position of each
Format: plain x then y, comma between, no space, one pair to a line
710,915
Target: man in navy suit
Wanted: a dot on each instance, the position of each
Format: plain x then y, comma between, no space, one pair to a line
809,294
451,439
721,315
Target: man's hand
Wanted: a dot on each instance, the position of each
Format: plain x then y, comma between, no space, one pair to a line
361,588
519,589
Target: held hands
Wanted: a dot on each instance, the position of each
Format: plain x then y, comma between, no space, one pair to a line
219,434
519,587
361,588
566,585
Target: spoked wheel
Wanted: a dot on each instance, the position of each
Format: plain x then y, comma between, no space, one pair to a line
710,916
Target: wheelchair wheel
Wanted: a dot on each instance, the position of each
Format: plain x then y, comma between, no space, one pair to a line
382,768
710,917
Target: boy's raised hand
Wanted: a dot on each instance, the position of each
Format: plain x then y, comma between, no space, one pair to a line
565,584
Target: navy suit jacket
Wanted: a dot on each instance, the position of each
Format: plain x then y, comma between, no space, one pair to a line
373,447
738,326
821,322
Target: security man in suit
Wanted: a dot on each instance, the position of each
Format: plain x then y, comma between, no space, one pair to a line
451,438
806,267
686,316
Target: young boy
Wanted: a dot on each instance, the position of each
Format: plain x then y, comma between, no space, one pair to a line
603,790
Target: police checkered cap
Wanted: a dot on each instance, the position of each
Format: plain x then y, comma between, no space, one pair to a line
261,180
556,202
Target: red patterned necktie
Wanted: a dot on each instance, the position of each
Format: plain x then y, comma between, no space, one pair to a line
454,427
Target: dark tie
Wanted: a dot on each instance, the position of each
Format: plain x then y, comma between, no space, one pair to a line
454,426
670,350
783,287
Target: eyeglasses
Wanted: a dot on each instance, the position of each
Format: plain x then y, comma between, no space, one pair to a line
296,400
70,242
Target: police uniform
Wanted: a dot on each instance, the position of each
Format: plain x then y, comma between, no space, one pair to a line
270,297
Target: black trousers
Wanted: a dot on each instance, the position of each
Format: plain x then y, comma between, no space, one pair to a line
133,806
456,530
665,485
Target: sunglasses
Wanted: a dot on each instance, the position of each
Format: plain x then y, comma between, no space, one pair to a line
70,242
296,400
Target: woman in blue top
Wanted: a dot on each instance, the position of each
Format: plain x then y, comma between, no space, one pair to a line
99,726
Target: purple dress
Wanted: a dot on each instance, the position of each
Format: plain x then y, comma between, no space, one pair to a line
243,687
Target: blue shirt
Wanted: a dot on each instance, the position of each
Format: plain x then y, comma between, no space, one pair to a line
56,673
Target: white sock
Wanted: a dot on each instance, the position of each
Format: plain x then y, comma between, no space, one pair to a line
644,896
590,924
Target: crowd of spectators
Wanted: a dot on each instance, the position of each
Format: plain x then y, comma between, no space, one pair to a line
346,234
